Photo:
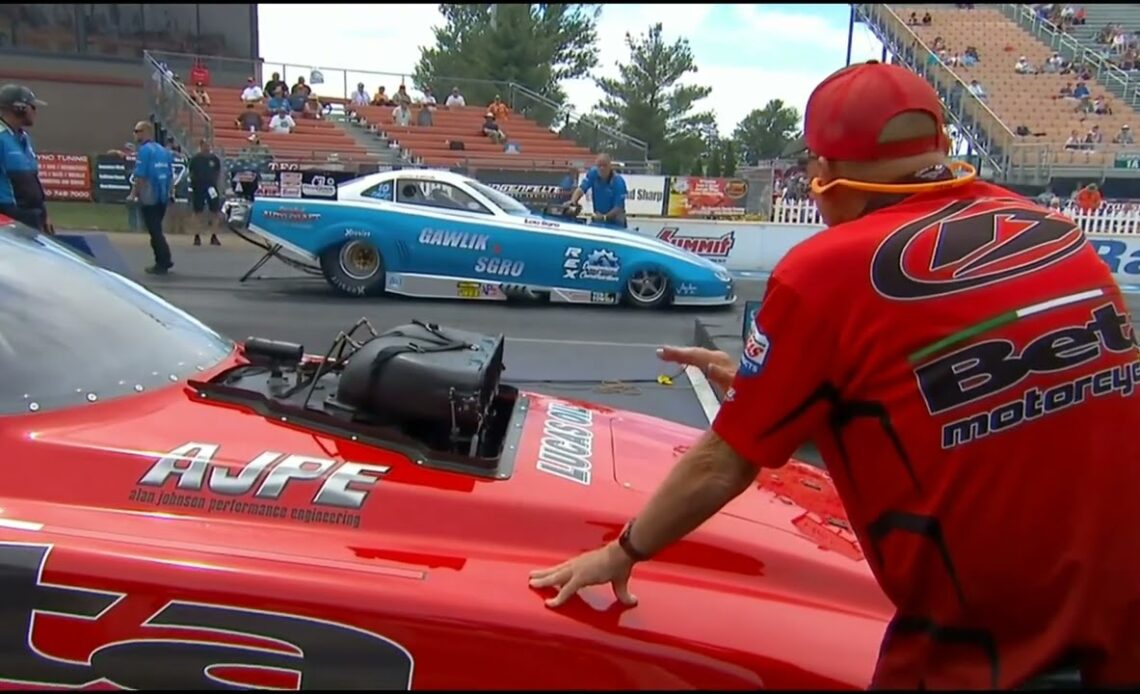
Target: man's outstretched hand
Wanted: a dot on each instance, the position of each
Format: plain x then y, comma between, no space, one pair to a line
717,366
609,564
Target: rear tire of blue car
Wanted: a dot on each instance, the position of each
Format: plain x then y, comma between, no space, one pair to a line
355,267
648,288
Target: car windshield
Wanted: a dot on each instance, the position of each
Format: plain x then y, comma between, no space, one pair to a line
506,202
73,333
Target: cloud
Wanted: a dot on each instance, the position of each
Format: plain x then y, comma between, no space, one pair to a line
748,54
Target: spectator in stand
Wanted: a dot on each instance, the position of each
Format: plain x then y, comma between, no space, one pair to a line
402,98
970,57
1101,106
492,130
200,96
1089,199
297,102
205,191
1074,142
953,60
401,115
1054,63
1079,17
360,96
250,120
1067,15
380,98
1022,67
498,109
278,100
939,44
927,20
975,88
252,93
1081,91
1124,137
455,98
301,89
1067,91
1094,137
274,82
424,117
301,94
429,98
282,122
912,20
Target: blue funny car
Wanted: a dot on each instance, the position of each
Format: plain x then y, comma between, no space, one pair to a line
438,234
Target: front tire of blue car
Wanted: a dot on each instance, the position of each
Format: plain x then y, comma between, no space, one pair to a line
648,288
355,267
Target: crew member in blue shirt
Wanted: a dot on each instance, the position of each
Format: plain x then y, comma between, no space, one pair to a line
152,187
608,191
21,193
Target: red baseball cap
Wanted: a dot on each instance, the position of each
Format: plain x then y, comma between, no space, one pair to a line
847,113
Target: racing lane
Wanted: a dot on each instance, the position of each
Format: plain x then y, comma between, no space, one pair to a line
561,349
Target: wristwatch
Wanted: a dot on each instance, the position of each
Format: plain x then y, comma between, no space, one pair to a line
626,545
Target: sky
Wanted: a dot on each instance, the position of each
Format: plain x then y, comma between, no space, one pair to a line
748,54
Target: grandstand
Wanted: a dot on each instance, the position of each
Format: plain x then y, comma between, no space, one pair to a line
1002,34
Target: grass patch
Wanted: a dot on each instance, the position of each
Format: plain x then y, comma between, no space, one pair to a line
89,216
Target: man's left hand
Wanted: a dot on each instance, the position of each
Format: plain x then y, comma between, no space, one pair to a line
609,564
49,228
598,217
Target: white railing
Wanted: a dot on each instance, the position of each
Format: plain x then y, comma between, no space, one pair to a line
1110,218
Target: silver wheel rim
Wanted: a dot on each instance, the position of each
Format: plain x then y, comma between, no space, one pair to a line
647,286
359,260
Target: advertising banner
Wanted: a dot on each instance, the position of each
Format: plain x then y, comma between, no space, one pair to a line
112,181
645,195
739,246
1122,254
690,196
297,183
535,189
65,176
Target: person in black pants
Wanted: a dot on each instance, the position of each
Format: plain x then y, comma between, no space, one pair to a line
206,190
153,187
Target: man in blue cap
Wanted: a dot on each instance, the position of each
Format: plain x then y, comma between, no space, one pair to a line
21,193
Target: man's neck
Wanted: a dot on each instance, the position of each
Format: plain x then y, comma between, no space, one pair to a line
6,119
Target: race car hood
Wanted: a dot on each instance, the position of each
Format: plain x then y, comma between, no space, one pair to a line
798,497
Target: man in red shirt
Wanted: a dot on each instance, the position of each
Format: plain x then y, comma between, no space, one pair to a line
967,368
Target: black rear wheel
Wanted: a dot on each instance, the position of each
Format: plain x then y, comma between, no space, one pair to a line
648,288
355,268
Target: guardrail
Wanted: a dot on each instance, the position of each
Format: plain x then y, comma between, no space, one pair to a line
1108,219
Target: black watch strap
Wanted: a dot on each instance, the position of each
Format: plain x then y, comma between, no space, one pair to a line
626,545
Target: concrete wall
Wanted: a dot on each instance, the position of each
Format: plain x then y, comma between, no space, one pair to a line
91,104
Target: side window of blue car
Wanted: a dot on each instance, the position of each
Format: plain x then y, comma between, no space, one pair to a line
437,195
380,191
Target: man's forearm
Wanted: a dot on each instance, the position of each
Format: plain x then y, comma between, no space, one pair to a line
706,478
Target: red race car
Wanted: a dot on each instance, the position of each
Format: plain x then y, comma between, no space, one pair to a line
181,512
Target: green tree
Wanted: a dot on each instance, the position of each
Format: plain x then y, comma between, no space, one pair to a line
728,159
648,102
765,132
714,167
481,48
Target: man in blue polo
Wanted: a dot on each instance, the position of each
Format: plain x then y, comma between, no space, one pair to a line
21,193
152,187
607,188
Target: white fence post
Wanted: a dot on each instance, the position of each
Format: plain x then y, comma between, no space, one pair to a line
1110,218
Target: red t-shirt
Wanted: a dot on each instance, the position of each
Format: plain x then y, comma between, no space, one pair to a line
966,365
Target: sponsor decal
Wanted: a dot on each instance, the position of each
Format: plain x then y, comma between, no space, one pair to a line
1121,260
291,215
971,244
645,194
284,166
567,446
598,264
476,290
528,191
755,352
462,240
60,631
713,248
319,186
691,196
502,267
357,234
187,478
544,223
603,298
686,289
986,369
751,310
394,281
